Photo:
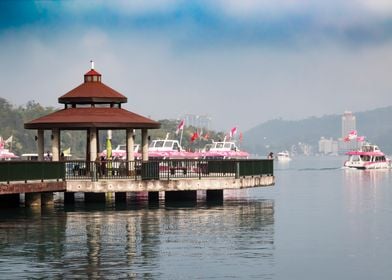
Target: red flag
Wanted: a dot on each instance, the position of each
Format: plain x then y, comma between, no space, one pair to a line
360,138
240,136
233,131
352,135
194,136
180,126
206,136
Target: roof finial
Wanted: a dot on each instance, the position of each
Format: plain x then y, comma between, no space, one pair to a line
92,64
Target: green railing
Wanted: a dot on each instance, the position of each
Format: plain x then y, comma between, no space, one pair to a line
132,170
167,169
31,170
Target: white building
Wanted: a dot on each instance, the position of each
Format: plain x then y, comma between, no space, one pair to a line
328,146
200,121
348,124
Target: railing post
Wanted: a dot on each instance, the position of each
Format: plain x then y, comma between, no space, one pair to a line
237,169
8,172
168,169
200,167
93,168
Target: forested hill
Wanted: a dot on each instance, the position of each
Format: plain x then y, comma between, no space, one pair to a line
12,121
274,135
278,134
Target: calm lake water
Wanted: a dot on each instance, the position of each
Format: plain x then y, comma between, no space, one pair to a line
318,222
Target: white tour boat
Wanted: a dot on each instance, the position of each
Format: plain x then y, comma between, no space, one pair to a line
168,149
223,150
369,156
283,156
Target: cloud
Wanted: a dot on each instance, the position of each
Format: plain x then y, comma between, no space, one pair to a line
279,23
381,7
228,59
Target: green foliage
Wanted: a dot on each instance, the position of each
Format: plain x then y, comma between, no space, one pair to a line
12,124
274,135
12,121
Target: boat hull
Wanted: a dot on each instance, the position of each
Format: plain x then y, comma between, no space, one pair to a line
367,165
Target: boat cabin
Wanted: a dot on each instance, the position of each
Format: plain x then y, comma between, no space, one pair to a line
165,145
123,147
222,146
370,148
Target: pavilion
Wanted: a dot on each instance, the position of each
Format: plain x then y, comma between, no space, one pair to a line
92,106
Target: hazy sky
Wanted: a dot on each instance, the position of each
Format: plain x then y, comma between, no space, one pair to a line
241,62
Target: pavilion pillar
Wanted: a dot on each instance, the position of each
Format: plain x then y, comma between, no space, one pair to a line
130,143
130,153
144,144
55,144
93,143
40,144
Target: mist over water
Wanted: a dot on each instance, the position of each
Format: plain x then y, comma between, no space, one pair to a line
318,222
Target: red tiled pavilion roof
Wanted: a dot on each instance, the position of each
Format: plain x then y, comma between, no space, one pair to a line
78,116
92,72
82,118
92,92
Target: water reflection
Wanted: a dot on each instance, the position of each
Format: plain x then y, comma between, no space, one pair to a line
364,189
371,178
231,239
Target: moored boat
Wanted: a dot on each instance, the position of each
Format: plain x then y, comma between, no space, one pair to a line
283,156
223,150
369,156
120,152
6,154
168,149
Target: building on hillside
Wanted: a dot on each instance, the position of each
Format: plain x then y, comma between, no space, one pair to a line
200,121
328,146
348,124
302,149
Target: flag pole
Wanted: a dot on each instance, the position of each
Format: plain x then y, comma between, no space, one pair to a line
182,131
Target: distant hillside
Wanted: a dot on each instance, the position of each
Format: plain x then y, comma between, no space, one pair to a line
278,134
12,119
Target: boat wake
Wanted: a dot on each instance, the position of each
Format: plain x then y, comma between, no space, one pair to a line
320,169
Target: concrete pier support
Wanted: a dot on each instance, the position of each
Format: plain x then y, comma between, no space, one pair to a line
33,199
153,197
120,197
9,200
47,198
181,196
69,197
212,195
94,197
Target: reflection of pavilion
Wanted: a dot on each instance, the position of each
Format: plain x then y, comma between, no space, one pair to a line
140,242
133,240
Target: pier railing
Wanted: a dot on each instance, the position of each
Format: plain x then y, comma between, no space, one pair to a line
167,169
133,170
31,171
